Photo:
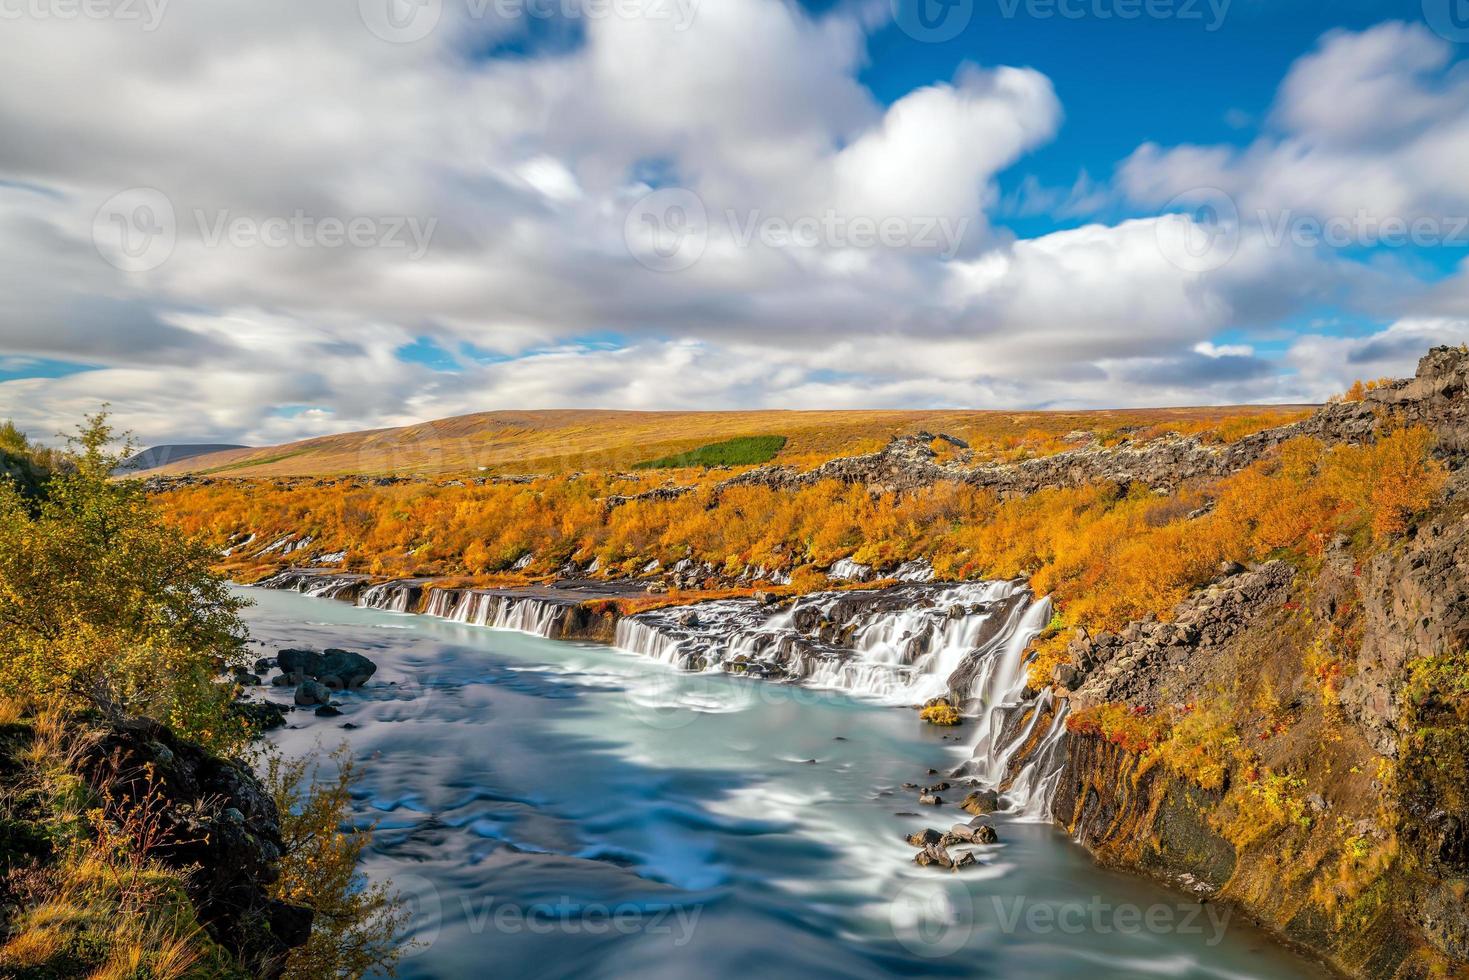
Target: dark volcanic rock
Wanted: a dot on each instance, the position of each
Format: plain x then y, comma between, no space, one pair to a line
214,815
312,692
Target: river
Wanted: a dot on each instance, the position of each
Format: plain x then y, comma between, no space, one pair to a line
556,809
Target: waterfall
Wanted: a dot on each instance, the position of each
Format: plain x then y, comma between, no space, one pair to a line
904,645
500,610
396,597
315,584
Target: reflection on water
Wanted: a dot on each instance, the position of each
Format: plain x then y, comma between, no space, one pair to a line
566,810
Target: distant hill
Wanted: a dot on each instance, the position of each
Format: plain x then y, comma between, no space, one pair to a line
570,440
156,456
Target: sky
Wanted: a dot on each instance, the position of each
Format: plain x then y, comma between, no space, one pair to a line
261,220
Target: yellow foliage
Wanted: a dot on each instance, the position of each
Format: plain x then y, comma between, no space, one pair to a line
940,714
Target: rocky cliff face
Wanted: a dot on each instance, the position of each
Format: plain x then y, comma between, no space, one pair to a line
1336,696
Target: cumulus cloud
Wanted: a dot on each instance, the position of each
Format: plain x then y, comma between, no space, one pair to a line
519,174
1374,122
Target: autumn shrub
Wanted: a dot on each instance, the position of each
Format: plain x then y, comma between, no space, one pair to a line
105,605
1132,727
87,897
357,925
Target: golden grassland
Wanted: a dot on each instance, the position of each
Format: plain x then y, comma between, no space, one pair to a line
564,441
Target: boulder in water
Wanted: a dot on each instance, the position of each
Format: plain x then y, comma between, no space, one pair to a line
301,663
348,670
933,854
328,711
339,669
924,838
928,799
310,692
261,715
981,802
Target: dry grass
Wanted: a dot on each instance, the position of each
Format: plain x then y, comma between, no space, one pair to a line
562,441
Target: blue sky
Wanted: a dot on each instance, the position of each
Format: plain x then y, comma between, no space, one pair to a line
675,206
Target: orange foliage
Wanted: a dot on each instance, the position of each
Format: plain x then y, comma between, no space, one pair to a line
1108,555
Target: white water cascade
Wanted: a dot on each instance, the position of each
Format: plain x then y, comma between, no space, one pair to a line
902,645
523,613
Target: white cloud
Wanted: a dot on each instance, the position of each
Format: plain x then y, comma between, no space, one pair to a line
529,166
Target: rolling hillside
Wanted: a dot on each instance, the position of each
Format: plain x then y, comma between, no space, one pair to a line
560,441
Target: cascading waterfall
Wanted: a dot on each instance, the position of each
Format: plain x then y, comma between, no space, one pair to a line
314,584
903,645
497,610
522,613
388,597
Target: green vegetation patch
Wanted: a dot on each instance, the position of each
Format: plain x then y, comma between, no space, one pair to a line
732,452
245,464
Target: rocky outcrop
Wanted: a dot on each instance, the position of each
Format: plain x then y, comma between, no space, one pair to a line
1435,398
1151,663
213,816
1415,604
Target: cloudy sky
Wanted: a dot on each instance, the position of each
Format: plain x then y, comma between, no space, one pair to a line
258,220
